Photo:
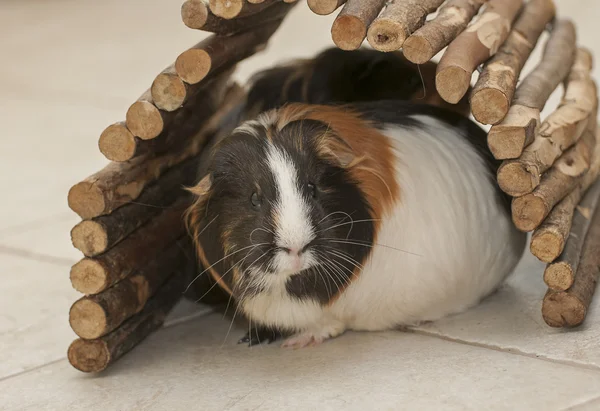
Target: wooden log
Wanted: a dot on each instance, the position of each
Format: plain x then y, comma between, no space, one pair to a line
197,15
118,184
168,90
231,9
97,315
325,7
474,46
94,275
548,241
530,210
96,236
145,120
451,20
216,53
349,29
117,143
495,88
559,131
96,355
399,20
507,139
569,308
560,274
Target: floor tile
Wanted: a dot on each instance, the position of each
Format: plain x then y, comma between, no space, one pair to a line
34,303
511,320
190,366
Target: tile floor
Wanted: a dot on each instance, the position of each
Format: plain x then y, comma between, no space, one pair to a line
70,68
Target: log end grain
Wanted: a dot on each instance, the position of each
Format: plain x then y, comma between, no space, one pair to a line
193,65
86,199
323,7
559,276
117,143
508,142
546,246
88,319
561,309
516,180
89,237
418,49
452,83
489,105
88,356
194,13
168,91
386,35
144,120
528,212
227,9
348,32
88,276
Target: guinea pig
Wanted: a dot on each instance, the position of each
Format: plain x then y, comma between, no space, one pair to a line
319,219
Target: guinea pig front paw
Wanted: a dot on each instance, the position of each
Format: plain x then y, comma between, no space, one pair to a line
311,338
260,335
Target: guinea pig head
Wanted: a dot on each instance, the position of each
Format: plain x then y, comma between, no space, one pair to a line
292,203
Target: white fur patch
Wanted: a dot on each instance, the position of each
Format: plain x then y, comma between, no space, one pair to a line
293,229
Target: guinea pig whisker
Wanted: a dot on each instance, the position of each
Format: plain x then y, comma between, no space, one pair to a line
334,213
261,229
324,278
365,244
217,262
334,274
346,257
368,220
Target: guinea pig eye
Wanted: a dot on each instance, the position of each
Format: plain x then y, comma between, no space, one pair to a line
312,189
255,200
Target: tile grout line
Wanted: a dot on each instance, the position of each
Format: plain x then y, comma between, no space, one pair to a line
37,367
574,407
512,351
18,252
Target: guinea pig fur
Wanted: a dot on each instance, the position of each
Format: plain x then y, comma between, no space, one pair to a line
320,219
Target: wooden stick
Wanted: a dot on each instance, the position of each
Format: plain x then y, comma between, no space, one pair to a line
117,143
197,15
96,236
168,90
530,210
507,139
96,355
559,131
569,308
473,46
97,315
494,90
145,120
349,29
118,184
218,52
397,21
230,9
548,241
94,275
325,7
560,274
451,20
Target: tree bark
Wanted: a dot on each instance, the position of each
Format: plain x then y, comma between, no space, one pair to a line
494,90
399,19
517,130
96,355
349,29
480,41
452,19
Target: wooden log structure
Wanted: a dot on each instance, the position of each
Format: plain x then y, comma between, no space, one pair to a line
349,29
517,130
451,20
560,274
559,131
399,20
480,41
569,308
97,354
493,92
138,257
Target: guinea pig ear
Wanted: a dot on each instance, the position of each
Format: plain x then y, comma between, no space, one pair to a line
203,187
336,150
